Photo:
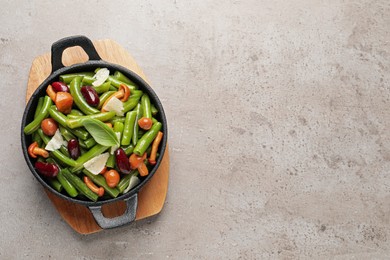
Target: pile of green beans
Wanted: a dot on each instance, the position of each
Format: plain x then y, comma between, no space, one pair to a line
132,139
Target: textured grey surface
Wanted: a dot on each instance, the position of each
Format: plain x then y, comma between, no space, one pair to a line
279,127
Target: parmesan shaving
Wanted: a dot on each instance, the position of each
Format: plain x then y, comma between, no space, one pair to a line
97,163
101,76
134,180
114,104
56,142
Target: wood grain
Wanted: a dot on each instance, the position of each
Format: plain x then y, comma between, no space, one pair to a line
152,196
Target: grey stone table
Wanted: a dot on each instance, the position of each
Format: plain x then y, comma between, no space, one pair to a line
279,128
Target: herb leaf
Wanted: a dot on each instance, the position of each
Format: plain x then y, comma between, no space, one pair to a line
102,134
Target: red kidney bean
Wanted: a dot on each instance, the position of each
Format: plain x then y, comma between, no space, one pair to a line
90,95
122,161
74,148
49,170
59,86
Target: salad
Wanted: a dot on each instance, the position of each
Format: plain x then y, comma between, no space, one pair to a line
94,135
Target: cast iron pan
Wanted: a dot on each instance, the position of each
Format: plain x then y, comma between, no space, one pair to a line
131,198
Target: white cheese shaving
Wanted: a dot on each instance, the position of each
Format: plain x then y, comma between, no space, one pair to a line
56,142
97,163
134,180
101,76
114,104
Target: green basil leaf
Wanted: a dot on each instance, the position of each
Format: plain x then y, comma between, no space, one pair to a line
102,134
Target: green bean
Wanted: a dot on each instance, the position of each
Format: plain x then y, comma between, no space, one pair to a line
82,144
78,98
88,80
125,181
145,101
80,185
135,131
37,138
90,142
83,150
149,150
102,88
129,149
87,143
78,122
104,97
147,139
57,154
39,106
116,83
120,76
69,116
64,150
55,183
131,102
111,161
63,159
67,78
76,112
52,160
61,119
57,116
66,133
136,93
112,88
34,125
35,135
101,181
93,152
154,110
118,128
117,119
128,128
68,187
141,132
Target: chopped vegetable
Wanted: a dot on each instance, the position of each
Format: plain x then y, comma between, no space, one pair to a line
64,102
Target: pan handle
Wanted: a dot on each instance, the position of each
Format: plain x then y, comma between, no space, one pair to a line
59,46
126,218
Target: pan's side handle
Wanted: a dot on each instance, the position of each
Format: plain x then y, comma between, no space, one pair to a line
126,218
59,46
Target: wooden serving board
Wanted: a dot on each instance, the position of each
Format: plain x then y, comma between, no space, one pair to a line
152,196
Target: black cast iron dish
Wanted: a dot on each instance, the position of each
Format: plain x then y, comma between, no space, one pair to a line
131,198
